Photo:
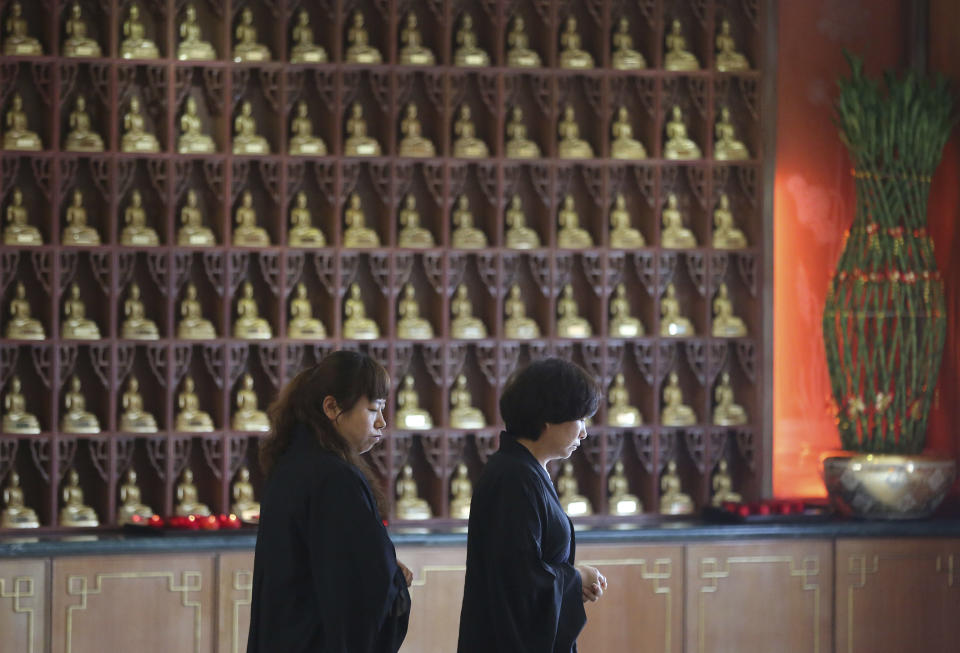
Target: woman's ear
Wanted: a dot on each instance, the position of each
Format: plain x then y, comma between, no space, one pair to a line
330,408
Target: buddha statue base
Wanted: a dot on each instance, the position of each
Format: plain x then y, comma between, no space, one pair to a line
418,56
625,505
522,58
194,423
574,327
256,329
679,416
252,145
196,237
679,504
139,237
414,329
574,239
678,328
80,330
307,146
199,144
22,235
471,238
681,239
81,236
734,151
574,149
306,237
628,149
141,49
522,149
21,423
142,330
417,147
251,237
251,54
251,420
626,328
142,423
460,509
84,143
521,329
470,148
86,48
308,329
471,328
308,54
197,51
196,330
195,509
133,514
733,327
733,239
576,506
79,518
471,58
140,143
361,329
19,518
624,416
576,60
363,55
681,62
419,509
467,418
23,142
26,329
24,46
415,419
732,62
80,423
681,151
730,416
523,238
356,146
628,238
628,60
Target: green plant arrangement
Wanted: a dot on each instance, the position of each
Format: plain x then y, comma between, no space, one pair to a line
884,322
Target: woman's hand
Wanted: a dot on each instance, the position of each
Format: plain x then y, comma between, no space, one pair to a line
408,575
593,582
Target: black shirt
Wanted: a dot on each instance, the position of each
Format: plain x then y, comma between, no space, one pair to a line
325,574
522,593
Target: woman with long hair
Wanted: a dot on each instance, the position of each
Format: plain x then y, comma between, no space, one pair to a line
522,591
325,574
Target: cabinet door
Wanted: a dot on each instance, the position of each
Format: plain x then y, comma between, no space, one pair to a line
233,605
897,595
759,596
143,603
642,609
23,605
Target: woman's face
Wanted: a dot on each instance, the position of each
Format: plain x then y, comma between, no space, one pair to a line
362,425
561,440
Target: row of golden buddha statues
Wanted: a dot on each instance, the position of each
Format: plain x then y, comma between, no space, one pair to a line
302,233
246,48
136,137
409,504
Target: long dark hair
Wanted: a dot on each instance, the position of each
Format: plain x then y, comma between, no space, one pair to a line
344,375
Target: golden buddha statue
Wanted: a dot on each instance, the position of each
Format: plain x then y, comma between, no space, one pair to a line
357,325
571,54
571,146
723,486
413,143
188,502
518,145
461,493
677,57
192,325
136,233
192,232
18,40
727,147
15,513
75,325
358,143
249,324
726,412
519,235
624,56
134,419
135,137
78,44
674,235
672,323
728,59
302,232
246,48
463,415
77,232
678,146
672,500
245,138
411,233
247,233
135,325
19,231
622,235
569,322
304,49
519,54
248,416
621,413
465,235
518,325
412,50
131,510
409,414
466,144
190,419
81,137
302,140
192,47
75,418
463,325
726,235
468,53
244,506
725,324
409,504
17,136
621,501
302,323
571,235
624,145
192,139
20,325
675,412
411,326
359,49
574,503
74,512
16,419
135,45
622,323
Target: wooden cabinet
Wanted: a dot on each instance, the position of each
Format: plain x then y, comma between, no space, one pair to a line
235,575
23,605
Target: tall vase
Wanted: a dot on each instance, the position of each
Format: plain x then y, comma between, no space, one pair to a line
884,322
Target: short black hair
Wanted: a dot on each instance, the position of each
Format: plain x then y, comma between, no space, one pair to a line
548,391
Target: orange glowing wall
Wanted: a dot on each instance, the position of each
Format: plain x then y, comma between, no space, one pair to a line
814,205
